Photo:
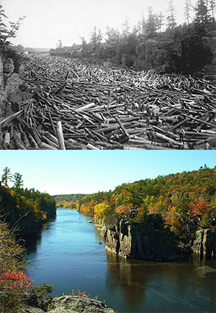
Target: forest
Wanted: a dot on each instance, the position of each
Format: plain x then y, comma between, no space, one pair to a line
23,209
68,201
183,202
154,42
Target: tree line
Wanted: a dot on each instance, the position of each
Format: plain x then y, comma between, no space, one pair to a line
154,42
185,202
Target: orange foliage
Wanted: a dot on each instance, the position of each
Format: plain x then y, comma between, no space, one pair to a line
200,208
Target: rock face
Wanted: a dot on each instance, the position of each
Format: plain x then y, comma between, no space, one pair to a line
12,88
204,243
71,304
141,241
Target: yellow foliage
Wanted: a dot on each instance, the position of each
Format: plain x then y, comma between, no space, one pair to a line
99,211
171,218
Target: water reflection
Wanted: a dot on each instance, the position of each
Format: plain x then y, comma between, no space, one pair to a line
162,286
32,241
70,254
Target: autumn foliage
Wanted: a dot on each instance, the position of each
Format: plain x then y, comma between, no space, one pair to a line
186,201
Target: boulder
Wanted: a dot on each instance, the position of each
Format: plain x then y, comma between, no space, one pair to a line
70,304
76,304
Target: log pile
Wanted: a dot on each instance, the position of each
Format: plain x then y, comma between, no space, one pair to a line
84,106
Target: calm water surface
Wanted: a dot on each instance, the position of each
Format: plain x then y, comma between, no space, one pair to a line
67,253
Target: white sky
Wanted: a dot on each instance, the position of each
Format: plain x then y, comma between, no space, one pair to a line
48,21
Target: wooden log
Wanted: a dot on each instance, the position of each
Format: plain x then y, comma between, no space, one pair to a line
46,146
60,135
18,142
85,107
171,141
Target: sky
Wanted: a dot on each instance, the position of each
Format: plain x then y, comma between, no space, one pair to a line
79,171
48,21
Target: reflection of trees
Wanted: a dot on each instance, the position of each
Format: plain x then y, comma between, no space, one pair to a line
32,240
171,282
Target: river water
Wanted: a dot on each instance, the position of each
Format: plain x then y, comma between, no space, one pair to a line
68,253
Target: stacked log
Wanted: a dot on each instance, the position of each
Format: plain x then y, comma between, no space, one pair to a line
83,106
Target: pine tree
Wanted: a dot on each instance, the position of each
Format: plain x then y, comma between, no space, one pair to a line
171,19
202,17
152,23
187,11
212,5
6,176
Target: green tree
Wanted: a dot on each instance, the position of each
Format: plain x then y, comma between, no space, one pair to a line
18,181
6,176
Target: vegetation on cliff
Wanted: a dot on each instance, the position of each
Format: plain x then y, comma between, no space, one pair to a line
24,209
184,201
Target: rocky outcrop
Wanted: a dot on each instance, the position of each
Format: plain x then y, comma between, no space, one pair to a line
12,88
71,304
204,243
141,241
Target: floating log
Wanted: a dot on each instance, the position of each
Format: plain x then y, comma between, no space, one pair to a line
85,106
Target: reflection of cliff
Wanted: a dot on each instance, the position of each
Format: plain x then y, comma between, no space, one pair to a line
126,276
162,287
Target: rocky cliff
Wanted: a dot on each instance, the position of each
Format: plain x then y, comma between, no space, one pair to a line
147,241
12,88
204,243
141,241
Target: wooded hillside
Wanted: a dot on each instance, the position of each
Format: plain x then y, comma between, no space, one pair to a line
184,201
68,201
23,209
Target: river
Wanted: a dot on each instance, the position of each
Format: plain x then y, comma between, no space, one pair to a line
70,253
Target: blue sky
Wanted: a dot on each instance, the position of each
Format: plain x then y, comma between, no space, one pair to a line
65,172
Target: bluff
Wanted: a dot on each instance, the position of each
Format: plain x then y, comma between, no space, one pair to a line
154,243
141,241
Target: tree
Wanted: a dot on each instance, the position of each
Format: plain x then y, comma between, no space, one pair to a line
59,45
5,32
95,40
171,20
202,17
126,27
187,11
6,176
152,23
18,181
212,6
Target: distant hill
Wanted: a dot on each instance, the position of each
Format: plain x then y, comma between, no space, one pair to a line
68,201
